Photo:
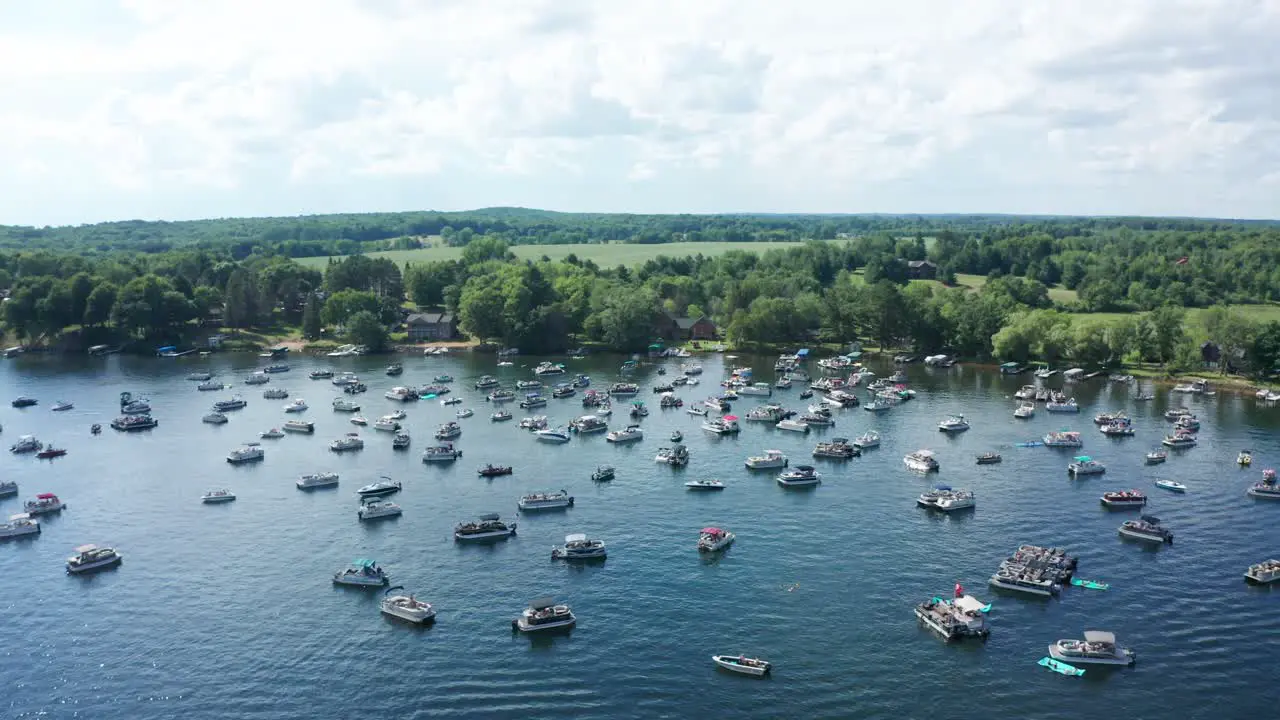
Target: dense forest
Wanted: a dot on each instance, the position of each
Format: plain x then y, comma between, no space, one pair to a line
819,290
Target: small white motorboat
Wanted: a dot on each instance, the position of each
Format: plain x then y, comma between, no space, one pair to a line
465,413
1171,485
271,434
406,607
359,420
742,665
378,509
62,405
704,485
220,495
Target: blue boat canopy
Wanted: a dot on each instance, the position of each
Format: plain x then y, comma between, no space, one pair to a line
802,352
363,562
1084,458
166,348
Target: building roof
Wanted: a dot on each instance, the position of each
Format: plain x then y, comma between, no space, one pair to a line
429,318
685,323
920,263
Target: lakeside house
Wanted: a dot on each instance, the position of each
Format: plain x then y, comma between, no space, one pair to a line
427,327
922,270
670,327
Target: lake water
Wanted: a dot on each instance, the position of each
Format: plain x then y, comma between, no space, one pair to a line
228,611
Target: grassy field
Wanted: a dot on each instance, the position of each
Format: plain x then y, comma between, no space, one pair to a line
1195,316
607,255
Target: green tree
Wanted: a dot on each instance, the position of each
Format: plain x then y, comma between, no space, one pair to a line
342,305
426,282
364,328
311,325
97,308
622,316
1264,356
1167,330
240,309
81,285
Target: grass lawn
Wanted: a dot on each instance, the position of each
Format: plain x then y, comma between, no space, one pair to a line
606,255
1195,316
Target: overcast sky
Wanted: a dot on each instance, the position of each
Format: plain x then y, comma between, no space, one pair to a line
168,109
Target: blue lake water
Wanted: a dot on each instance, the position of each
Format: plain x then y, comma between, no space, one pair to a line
228,611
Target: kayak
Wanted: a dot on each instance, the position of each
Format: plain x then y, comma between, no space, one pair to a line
1091,584
1060,667
1035,443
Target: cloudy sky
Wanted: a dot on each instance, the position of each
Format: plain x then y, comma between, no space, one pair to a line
169,109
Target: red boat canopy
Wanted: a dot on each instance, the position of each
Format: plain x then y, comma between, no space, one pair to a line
46,496
713,530
730,417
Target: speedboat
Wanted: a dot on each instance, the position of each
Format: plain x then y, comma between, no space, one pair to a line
793,425
783,383
604,473
91,557
50,452
579,547
1176,414
1262,573
545,501
1097,648
385,486
320,374
464,413
867,440
542,615
19,524
500,416
836,449
487,527
8,488
406,607
1148,529
394,369
26,444
400,394
1085,465
704,485
1026,392
800,476
1188,423
1025,411
696,410
921,461
360,420
343,405
448,431
220,495
675,456
1124,499
677,436
214,418
630,433
400,441
451,401
529,385
953,424
61,406
770,459
949,500
378,509
24,402
386,424
316,481
492,470
713,539
1171,485
552,435
298,405
44,504
350,441
742,665
1156,456
441,453
299,426
362,572
272,434
727,425
277,368
234,403
141,407
275,394
638,410
249,452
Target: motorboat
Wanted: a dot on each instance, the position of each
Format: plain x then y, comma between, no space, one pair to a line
350,441
579,547
91,557
386,424
299,405
529,385
783,383
395,370
1244,458
485,382
1065,406
836,449
691,369
1025,411
878,406
345,351
1147,529
249,452
406,607
545,501
1026,392
630,433
363,573
400,441
604,473
378,509
1195,387
299,426
317,480
396,415
742,665
8,488
759,388
953,424
492,470
360,420
1063,439
134,423
1124,499
990,458
448,431
385,486
24,402
1085,465
1097,648
275,394
62,406
770,459
220,495
355,388
793,425
199,376
276,368
441,453
50,452
1117,429
820,418
842,399
766,413
588,424
400,394
638,410
501,396
1157,456
1267,489
1171,485
234,403
704,485
44,504
95,429
543,615
26,444
1179,441
1262,573
549,368
623,389
1109,418
487,527
726,425
533,400
1188,423
696,410
552,435
210,386
537,422
343,405
1176,414
214,418
713,539
867,440
500,416
451,401
563,391
677,436
258,378
800,476
921,461
443,378
272,434
320,374
19,524
675,456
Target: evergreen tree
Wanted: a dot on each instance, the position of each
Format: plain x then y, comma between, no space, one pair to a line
311,317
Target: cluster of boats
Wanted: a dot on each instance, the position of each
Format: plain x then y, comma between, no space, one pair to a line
1035,570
